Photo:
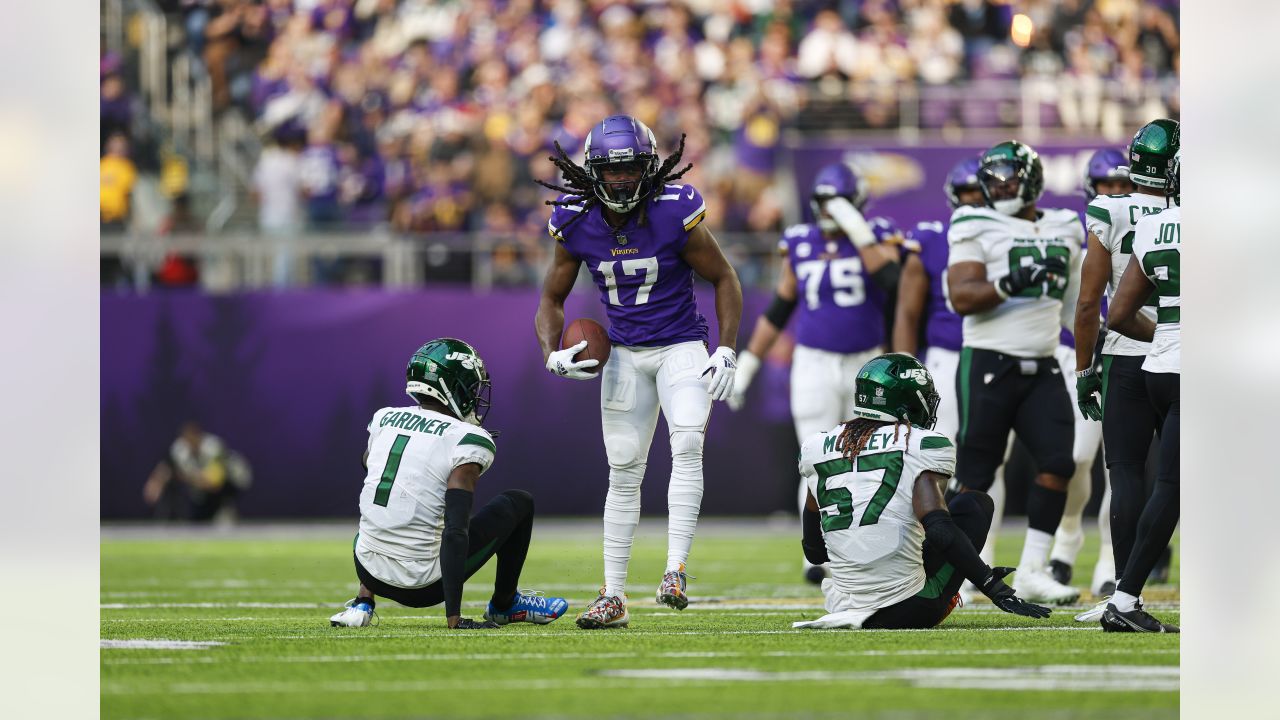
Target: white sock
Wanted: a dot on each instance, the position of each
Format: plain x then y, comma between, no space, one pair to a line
684,496
621,515
1123,601
996,492
1035,549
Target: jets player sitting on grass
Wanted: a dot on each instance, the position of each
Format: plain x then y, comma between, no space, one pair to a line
875,510
418,542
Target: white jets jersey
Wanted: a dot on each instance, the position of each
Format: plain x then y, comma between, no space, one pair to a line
1157,246
1112,219
1025,325
871,531
412,451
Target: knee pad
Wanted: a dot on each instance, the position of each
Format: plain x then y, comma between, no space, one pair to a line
521,500
972,502
622,446
686,446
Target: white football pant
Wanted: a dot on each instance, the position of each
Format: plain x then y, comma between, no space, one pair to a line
637,382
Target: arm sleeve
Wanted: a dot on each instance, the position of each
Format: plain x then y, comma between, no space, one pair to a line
691,209
813,544
475,446
941,533
453,548
1097,220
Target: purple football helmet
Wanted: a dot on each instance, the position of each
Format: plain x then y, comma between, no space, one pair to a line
622,143
964,176
1105,164
836,180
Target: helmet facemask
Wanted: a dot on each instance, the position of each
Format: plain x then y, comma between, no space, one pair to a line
623,194
1004,185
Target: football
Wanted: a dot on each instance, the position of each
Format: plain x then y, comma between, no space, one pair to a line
598,345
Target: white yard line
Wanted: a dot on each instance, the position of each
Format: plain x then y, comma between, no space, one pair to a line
1109,678
158,644
460,657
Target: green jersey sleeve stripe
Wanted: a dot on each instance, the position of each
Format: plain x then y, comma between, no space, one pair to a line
482,441
933,442
967,218
1098,213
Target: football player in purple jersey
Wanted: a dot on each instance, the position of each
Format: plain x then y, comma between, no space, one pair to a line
641,236
841,271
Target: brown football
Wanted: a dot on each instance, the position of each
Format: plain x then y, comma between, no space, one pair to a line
598,345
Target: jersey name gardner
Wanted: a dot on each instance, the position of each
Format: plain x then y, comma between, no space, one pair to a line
1027,324
412,452
645,285
1113,218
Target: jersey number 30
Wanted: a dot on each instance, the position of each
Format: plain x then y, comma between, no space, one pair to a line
841,499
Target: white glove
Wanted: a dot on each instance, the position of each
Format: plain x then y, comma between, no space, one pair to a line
561,363
721,365
748,364
850,221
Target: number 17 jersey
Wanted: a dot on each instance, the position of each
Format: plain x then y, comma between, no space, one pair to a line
645,284
869,524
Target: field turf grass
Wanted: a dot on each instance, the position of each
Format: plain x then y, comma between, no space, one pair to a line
264,595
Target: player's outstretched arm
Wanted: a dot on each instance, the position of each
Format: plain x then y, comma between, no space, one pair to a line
1123,317
458,495
942,533
704,255
768,327
913,290
549,321
1094,273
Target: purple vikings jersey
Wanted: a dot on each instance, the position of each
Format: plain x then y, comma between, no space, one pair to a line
645,286
840,309
943,328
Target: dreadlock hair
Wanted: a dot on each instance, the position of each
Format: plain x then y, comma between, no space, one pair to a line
580,186
856,432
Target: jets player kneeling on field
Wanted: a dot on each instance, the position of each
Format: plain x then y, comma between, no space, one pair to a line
418,542
897,552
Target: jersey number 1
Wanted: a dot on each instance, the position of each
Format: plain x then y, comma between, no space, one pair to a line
842,499
383,493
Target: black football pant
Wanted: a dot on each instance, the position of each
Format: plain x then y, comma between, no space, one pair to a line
503,527
1160,516
999,393
1129,421
971,512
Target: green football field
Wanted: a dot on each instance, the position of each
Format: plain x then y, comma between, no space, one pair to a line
235,625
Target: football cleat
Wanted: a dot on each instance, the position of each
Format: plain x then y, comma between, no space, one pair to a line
1094,613
356,614
1136,620
1061,571
671,591
1037,585
529,606
606,611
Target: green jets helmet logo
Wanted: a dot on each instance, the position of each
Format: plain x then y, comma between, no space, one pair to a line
917,374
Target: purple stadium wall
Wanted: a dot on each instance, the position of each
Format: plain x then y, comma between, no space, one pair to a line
291,379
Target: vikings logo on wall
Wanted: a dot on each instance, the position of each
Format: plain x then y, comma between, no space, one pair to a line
886,173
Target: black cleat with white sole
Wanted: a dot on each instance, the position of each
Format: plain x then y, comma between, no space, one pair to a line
1136,620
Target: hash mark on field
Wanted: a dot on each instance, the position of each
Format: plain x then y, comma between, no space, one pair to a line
1108,678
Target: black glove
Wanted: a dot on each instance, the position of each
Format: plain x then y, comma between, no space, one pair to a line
1052,269
469,624
1002,595
1088,383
